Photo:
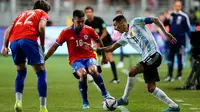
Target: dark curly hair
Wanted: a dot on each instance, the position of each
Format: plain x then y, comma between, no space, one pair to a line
43,5
78,13
119,17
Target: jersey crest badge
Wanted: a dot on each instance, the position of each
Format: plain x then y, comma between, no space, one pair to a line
85,37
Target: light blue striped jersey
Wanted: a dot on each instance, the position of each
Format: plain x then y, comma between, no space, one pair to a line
140,38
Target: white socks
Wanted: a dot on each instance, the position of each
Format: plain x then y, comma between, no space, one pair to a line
18,96
43,101
158,93
128,88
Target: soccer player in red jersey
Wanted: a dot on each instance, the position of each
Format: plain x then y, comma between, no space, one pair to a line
23,35
81,59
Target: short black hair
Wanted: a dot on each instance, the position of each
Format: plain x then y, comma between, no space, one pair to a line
78,13
119,17
89,7
43,5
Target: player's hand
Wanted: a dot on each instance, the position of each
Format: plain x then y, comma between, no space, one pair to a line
88,46
5,51
171,38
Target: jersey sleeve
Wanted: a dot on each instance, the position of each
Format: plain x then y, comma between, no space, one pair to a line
142,21
61,39
44,16
122,41
94,35
103,24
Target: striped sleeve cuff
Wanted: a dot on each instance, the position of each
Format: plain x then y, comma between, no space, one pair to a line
98,38
58,44
43,19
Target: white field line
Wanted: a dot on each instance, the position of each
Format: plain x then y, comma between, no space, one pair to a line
123,109
186,104
96,86
193,108
179,100
90,79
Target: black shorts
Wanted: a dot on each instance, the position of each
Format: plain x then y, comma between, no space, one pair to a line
150,65
107,41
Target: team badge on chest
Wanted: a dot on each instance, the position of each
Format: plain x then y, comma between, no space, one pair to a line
85,37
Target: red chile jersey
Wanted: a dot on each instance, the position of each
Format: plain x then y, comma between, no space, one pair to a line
75,39
26,25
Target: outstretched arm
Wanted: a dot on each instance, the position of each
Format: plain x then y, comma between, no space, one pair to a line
161,26
51,51
110,48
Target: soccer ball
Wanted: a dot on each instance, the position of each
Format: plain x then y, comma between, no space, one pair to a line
109,104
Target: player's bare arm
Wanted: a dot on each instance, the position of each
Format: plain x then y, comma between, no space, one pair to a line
51,51
41,28
161,26
5,49
110,48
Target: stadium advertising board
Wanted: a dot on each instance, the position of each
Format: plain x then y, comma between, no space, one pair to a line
53,32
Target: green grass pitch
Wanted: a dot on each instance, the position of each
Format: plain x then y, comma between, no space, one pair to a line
64,96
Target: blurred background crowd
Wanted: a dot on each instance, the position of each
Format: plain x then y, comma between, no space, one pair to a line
104,8
61,14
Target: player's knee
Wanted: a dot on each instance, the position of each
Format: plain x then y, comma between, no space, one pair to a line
82,74
38,68
21,66
95,74
151,88
132,72
93,70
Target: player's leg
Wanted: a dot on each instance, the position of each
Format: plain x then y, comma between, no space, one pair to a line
180,53
161,95
79,68
92,68
172,52
113,67
35,58
19,60
151,76
130,83
41,85
19,86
